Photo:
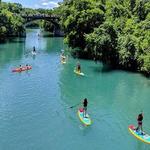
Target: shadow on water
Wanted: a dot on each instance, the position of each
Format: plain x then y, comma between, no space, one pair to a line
44,36
17,40
106,69
102,68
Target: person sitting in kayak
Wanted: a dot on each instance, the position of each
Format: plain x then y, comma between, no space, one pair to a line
139,120
78,68
85,103
20,67
27,66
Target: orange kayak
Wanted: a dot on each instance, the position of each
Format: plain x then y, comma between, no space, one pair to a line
24,68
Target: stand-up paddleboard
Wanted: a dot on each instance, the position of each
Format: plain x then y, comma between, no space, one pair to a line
24,68
143,137
33,53
63,62
85,120
78,73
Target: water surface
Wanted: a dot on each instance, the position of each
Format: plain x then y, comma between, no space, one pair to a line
34,105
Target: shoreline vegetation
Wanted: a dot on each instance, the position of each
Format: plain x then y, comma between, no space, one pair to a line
116,32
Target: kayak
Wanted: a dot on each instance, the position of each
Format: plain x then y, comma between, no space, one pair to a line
85,120
24,68
79,73
143,137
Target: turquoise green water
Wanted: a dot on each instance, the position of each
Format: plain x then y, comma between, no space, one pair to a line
34,105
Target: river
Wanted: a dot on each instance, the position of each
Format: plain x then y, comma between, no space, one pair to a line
35,111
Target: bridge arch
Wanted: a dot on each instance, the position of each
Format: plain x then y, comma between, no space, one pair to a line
50,18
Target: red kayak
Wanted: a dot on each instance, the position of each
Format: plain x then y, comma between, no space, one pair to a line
24,68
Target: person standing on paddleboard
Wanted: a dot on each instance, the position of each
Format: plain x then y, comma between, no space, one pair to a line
34,49
63,57
139,120
85,103
78,67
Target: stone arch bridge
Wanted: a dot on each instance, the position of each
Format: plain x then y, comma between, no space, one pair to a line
51,18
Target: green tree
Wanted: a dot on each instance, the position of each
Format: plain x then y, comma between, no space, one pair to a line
80,17
117,31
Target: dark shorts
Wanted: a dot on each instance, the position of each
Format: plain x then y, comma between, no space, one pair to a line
85,108
139,122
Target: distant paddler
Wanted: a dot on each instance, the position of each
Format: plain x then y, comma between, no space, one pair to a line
78,67
33,51
63,57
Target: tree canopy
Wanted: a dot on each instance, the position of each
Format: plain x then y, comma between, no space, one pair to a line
116,31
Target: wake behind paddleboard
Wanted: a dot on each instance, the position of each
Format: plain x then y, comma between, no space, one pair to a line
143,137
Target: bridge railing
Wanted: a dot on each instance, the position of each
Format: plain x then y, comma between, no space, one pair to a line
39,16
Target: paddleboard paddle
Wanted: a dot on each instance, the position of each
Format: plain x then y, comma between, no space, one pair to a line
75,105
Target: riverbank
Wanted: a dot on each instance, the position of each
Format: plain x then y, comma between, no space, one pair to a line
77,53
